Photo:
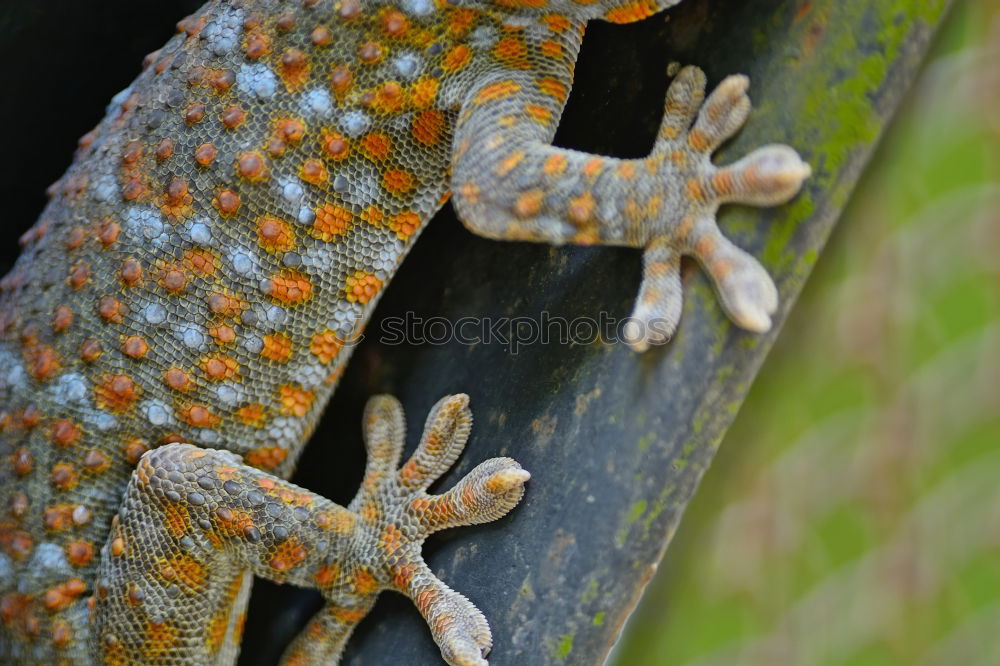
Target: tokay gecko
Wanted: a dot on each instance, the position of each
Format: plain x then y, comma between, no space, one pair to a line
187,301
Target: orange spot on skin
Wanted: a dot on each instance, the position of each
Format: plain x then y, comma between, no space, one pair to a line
217,628
176,519
42,360
321,36
394,23
275,235
314,171
593,167
184,569
95,461
337,520
349,616
194,113
116,393
295,401
65,433
291,130
341,80
362,287
133,450
398,181
135,346
78,275
389,98
277,347
108,231
428,127
64,516
200,262
62,596
90,350
694,190
632,11
403,574
371,53
62,318
18,544
205,154
335,146
233,522
722,182
457,58
550,49
294,69
111,309
80,553
290,287
74,238
372,216
198,416
460,21
331,221
511,51
496,91
581,209
288,555
404,225
539,114
224,305
510,163
697,140
233,116
64,476
252,167
325,346
130,272
376,146
364,583
266,457
391,540
160,641
528,204
178,380
220,368
556,22
423,93
223,334
555,166
251,415
22,461
327,574
256,45
176,200
62,634
553,88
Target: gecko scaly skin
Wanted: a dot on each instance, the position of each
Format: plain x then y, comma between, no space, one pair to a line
184,306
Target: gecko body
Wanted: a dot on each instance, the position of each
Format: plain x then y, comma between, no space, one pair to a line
185,305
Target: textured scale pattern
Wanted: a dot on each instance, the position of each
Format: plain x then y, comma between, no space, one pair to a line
184,306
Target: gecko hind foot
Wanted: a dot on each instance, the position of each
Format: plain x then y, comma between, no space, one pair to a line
399,514
693,128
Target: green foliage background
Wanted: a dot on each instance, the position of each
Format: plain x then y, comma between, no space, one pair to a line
852,515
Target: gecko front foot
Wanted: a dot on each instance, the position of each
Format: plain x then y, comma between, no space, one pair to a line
397,514
686,225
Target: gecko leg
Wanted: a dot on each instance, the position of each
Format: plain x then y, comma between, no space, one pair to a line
511,184
194,520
